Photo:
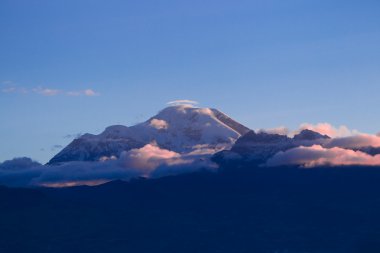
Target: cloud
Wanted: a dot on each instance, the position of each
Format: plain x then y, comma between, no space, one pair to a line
90,93
12,88
322,128
317,155
18,171
356,141
158,124
205,149
148,161
18,163
46,91
81,173
53,92
183,102
277,130
149,157
328,129
87,92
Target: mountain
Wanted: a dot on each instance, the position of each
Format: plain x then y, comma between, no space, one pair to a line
309,135
179,128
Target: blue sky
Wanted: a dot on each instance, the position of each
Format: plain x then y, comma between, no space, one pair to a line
265,63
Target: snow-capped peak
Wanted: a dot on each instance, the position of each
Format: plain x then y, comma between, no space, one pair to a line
179,128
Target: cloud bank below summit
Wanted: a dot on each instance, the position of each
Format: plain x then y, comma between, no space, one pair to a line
345,147
149,161
317,155
341,150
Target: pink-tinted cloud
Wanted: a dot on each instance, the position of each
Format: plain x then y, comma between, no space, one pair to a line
87,92
356,141
319,156
73,183
328,129
90,92
148,161
149,157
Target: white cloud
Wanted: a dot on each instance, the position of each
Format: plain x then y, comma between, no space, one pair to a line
183,102
158,124
149,157
319,156
205,149
90,93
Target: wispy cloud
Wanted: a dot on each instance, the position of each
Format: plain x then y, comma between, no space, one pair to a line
9,87
46,91
183,102
87,92
13,89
